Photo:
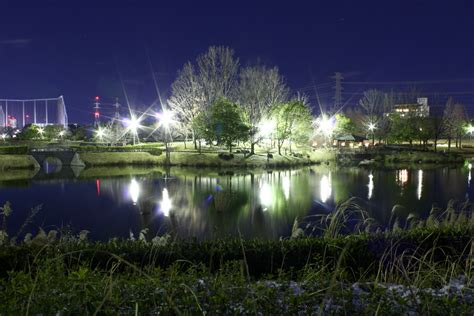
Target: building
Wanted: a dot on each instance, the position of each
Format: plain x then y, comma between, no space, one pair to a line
420,108
350,141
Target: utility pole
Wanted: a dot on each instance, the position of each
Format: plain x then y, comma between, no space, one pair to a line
338,91
117,110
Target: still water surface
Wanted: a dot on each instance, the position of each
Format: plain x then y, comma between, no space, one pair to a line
208,204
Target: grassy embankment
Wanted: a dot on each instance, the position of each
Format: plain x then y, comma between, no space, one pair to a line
426,269
209,159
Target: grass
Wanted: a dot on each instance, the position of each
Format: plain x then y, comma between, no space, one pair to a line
194,159
14,162
424,269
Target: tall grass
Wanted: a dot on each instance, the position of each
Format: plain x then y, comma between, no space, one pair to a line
354,267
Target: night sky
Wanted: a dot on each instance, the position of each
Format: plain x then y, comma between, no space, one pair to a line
49,48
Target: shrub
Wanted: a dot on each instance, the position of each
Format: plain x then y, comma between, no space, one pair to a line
13,150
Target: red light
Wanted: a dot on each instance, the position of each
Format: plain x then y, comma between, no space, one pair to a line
96,114
97,98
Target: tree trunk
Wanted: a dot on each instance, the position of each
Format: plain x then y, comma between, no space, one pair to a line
252,148
279,147
435,144
193,135
449,143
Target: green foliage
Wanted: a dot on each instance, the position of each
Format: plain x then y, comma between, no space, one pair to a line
77,132
52,131
29,132
224,124
293,122
344,125
13,150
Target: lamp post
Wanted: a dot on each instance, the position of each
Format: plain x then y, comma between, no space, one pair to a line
372,128
166,120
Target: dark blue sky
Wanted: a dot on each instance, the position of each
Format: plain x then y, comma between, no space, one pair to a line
48,48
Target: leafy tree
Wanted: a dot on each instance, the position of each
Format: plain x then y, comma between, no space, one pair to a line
224,124
77,132
29,132
344,125
293,122
53,131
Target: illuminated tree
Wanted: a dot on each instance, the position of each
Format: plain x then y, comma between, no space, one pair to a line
293,122
260,88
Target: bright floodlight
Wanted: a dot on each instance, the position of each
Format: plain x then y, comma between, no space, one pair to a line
165,118
470,129
40,131
372,126
4,136
100,133
326,125
266,127
134,124
62,133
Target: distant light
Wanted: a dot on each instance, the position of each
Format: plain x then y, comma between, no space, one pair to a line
62,133
100,133
97,98
97,114
40,131
4,136
372,126
165,118
266,127
326,125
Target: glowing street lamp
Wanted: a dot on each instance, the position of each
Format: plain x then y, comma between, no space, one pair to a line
133,125
41,132
372,127
166,120
100,133
61,134
4,136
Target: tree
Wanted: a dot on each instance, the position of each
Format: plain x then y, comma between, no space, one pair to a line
456,118
223,124
53,131
344,125
187,99
218,74
199,85
260,88
77,132
293,122
29,132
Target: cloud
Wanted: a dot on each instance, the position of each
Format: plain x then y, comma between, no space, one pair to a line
16,42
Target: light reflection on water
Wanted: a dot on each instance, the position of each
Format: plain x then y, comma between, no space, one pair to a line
206,205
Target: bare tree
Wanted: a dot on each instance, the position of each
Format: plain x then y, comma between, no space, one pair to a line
187,99
260,88
455,117
218,74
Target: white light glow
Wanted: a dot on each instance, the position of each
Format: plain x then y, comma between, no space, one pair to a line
165,204
166,118
419,188
100,133
326,125
372,126
266,194
370,186
325,188
286,187
402,176
134,191
266,128
4,136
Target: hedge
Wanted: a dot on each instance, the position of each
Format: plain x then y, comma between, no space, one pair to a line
13,150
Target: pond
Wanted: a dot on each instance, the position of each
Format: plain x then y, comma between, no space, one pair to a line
208,204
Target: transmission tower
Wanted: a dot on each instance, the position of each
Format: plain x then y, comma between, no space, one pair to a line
338,91
117,110
96,111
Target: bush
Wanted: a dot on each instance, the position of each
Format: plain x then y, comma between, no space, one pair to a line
153,151
13,150
226,156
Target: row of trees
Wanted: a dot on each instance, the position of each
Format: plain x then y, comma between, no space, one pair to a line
376,108
218,100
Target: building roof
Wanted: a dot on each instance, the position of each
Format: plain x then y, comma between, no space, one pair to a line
350,137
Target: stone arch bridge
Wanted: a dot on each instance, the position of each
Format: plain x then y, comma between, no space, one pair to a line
67,156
